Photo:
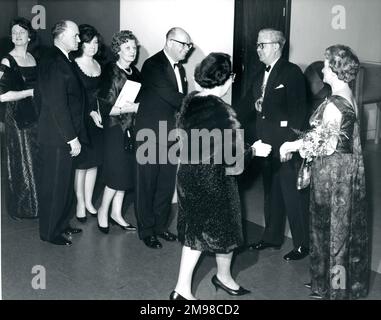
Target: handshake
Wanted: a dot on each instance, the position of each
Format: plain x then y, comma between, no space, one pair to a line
261,149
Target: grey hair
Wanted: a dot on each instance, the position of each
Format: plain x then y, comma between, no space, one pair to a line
276,36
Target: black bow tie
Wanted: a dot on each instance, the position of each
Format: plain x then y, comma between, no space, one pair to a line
268,68
178,65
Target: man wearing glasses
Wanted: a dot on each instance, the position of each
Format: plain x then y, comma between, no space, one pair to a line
164,86
279,100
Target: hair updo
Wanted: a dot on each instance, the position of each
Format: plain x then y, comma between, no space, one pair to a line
343,62
213,71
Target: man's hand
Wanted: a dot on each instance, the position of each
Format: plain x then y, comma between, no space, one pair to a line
258,104
286,150
261,149
75,146
96,118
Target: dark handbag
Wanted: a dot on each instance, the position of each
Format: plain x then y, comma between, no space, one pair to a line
304,175
129,140
25,113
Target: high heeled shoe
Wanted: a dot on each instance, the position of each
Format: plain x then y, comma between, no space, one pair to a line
176,296
81,219
308,285
239,292
103,229
128,227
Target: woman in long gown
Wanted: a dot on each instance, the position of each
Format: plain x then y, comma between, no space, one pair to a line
118,122
209,215
339,236
17,80
91,156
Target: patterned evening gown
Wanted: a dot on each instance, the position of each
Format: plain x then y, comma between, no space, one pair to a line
339,234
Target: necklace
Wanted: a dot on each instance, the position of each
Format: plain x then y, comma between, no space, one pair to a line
127,71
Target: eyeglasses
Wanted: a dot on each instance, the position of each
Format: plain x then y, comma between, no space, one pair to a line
188,45
262,44
232,75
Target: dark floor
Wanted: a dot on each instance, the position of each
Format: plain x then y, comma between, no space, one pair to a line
120,266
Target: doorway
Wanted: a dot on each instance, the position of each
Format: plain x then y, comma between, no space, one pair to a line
250,17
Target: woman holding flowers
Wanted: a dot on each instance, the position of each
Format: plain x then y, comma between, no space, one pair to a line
339,237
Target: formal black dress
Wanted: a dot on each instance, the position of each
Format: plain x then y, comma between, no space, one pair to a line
21,147
119,161
339,232
92,153
209,214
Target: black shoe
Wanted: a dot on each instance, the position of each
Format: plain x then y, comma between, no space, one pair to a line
175,296
261,245
218,284
315,295
168,236
128,227
70,231
152,242
59,241
296,254
308,285
104,230
82,219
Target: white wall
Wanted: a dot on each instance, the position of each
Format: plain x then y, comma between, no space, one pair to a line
311,32
210,23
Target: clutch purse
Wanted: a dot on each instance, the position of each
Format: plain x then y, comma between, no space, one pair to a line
304,175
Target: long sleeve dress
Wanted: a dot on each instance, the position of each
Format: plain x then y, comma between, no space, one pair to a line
21,145
339,234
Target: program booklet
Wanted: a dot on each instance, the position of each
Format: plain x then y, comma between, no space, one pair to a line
128,93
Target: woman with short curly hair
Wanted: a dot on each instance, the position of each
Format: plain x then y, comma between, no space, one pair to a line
339,234
118,123
18,75
209,215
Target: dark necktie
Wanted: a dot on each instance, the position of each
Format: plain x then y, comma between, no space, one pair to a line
268,68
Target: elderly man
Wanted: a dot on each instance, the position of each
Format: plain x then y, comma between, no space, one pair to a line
61,131
164,86
279,100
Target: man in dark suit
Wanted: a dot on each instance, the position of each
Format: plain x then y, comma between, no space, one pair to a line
279,100
60,131
164,86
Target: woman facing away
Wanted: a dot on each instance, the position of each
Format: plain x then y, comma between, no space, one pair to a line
339,238
91,156
118,122
209,215
18,73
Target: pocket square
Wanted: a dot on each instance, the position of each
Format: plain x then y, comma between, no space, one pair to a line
280,86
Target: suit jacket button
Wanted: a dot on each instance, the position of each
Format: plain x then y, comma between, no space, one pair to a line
263,117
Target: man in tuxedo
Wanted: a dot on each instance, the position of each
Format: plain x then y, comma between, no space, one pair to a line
60,132
164,86
279,101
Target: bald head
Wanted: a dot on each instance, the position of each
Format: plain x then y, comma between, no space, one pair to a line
178,43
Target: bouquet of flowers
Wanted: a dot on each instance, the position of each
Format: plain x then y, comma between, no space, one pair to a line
318,142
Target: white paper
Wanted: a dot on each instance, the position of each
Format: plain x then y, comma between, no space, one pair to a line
128,93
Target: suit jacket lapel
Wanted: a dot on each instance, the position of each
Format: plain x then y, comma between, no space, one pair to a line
273,76
169,69
183,77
